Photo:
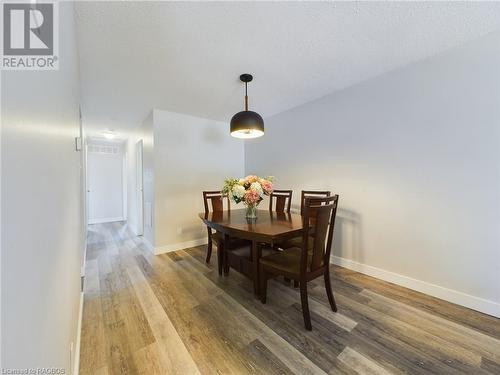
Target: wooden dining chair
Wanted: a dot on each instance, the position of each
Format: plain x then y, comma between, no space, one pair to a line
216,199
280,199
301,263
283,198
214,202
297,241
312,194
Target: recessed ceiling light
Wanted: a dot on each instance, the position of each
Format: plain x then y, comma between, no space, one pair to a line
109,134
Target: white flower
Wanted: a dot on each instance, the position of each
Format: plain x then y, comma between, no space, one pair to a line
256,186
238,191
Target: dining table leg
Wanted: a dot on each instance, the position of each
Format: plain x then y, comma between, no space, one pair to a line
255,265
225,255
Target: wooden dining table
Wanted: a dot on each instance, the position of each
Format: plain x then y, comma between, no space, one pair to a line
269,227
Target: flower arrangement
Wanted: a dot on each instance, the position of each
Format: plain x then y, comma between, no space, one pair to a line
249,190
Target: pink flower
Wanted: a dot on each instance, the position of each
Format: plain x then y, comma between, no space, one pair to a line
267,186
252,197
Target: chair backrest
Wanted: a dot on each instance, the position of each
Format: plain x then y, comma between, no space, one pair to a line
216,199
312,194
283,199
321,213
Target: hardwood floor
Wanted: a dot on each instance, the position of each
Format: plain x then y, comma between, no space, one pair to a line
172,314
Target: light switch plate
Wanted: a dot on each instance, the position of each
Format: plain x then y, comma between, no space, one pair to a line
78,143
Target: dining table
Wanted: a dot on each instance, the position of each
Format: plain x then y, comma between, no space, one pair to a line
269,227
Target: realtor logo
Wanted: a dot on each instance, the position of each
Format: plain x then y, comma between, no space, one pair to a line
29,36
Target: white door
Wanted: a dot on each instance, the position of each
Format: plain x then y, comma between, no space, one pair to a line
140,192
105,184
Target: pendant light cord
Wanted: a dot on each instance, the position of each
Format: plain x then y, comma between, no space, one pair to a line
246,97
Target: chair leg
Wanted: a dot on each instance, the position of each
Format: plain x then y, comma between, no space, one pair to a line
225,254
209,251
329,293
220,256
226,263
263,285
305,305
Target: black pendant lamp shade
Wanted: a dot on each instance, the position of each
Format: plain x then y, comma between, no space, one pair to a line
247,124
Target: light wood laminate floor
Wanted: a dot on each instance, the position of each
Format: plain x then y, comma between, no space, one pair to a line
173,314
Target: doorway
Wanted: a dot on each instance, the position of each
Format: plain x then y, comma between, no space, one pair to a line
106,182
140,187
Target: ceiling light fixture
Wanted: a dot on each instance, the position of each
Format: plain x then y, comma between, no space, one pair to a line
247,124
109,134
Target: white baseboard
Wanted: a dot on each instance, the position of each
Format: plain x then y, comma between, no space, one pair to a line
76,368
106,220
180,246
84,262
450,295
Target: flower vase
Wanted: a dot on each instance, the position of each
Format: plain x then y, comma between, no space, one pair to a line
251,211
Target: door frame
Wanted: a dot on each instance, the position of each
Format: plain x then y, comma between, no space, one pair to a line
123,153
125,181
140,186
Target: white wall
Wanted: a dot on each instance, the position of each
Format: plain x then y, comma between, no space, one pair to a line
41,198
191,154
131,180
105,174
145,133
142,132
415,157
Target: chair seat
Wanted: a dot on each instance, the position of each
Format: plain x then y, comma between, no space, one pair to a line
246,251
287,260
296,242
233,242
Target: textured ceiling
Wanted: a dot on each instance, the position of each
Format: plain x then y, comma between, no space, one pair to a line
186,57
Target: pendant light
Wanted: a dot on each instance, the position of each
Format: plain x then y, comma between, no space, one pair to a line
247,124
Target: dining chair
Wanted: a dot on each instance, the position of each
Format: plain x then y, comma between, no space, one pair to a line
283,199
280,199
303,264
215,200
297,241
312,194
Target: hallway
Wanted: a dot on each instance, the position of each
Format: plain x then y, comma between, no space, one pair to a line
144,314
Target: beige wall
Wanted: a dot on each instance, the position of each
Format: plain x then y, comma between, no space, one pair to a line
415,157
